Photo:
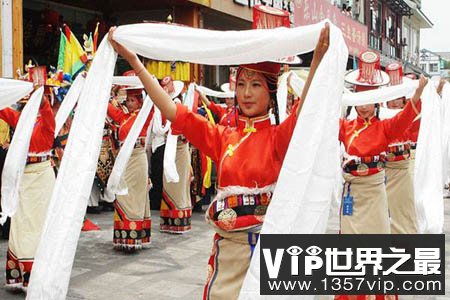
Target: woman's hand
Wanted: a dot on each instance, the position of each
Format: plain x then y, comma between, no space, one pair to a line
121,50
319,53
322,44
203,97
442,82
422,83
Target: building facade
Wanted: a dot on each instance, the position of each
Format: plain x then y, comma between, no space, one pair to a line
411,36
431,62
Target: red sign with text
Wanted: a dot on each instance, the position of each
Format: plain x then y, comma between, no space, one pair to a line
308,12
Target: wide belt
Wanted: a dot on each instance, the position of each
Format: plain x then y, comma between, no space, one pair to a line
399,152
37,159
239,212
363,166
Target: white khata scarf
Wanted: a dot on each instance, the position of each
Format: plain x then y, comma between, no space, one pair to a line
17,155
12,90
69,103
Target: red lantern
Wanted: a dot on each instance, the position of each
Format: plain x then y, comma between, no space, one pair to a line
265,17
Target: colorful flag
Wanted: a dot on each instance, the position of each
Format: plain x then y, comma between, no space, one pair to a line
75,57
62,52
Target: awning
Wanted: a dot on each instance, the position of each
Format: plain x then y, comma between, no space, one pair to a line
410,68
424,21
400,7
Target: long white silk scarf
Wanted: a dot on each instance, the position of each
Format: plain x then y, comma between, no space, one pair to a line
12,90
69,103
213,93
428,165
17,155
116,185
170,151
127,80
445,104
62,226
297,85
382,94
55,254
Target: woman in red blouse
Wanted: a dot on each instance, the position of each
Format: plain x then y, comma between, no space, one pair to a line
132,221
34,195
248,159
364,205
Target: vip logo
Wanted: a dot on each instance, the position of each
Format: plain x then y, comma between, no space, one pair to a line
311,261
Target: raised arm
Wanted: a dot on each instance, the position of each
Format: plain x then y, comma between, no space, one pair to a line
319,53
396,127
216,109
116,114
160,98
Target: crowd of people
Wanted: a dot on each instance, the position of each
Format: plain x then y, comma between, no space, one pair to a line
246,142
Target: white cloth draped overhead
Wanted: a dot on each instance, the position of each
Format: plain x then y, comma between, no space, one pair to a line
55,254
17,155
213,93
383,94
212,47
127,80
69,103
12,90
116,185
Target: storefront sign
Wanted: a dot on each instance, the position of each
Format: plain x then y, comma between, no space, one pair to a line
312,11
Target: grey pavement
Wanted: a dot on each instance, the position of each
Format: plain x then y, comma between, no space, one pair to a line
173,268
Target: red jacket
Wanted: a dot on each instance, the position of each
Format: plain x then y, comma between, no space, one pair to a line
371,138
126,121
44,129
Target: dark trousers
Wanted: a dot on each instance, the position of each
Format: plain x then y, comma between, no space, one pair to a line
156,176
4,229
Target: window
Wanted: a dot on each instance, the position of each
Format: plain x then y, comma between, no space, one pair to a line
434,67
423,67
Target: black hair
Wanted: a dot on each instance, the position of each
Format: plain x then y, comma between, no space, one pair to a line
377,110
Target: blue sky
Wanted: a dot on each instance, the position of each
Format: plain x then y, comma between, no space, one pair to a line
437,38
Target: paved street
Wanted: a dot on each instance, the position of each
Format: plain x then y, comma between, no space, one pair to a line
174,267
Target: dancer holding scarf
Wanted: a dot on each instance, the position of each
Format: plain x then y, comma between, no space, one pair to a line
34,194
248,159
399,179
227,115
132,221
364,206
176,207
